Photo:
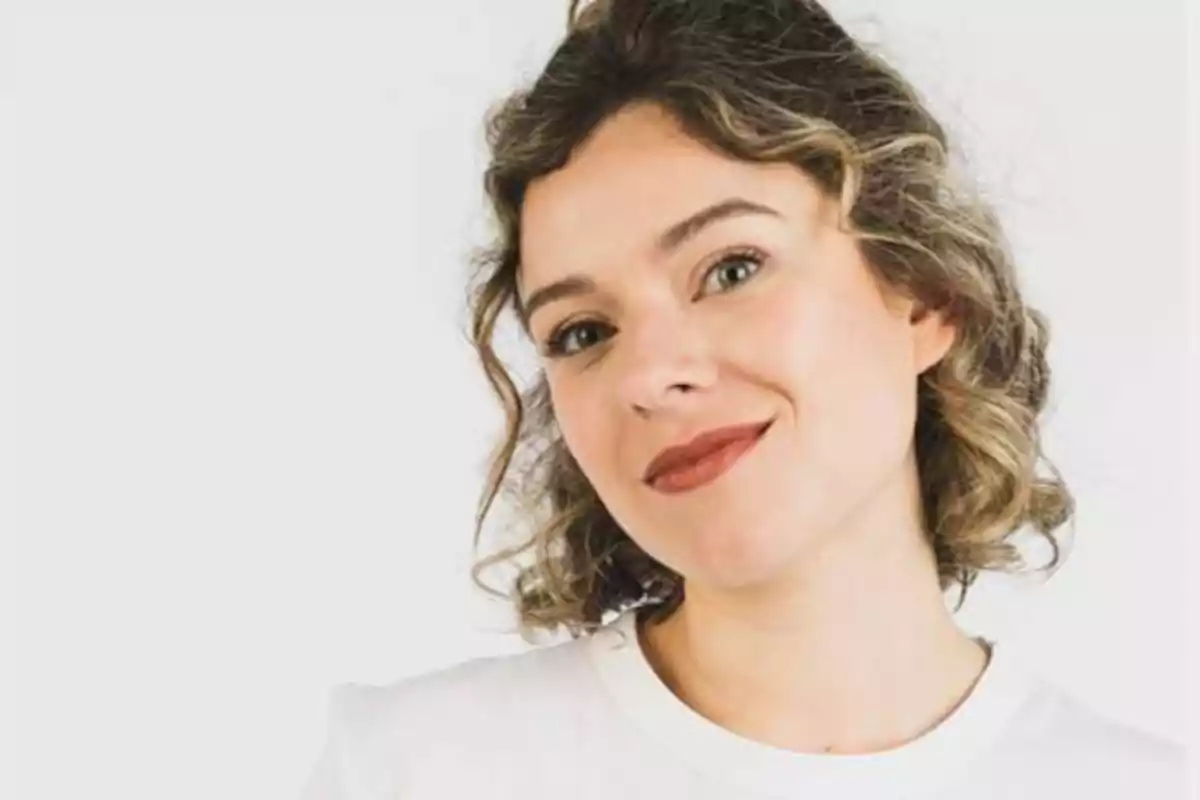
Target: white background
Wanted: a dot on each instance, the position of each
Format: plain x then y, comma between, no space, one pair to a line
250,433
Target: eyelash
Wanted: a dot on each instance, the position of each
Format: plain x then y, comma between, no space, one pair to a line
555,343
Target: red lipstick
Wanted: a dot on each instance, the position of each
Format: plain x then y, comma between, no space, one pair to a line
703,459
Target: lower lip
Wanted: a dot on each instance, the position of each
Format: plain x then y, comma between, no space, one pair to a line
707,469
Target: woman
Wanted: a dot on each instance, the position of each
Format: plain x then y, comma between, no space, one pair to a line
787,398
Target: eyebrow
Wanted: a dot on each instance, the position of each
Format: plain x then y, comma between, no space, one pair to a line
669,240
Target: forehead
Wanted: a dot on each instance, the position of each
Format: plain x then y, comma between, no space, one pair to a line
637,175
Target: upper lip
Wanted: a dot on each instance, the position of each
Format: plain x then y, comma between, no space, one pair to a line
700,446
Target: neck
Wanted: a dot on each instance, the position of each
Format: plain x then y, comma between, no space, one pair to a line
855,652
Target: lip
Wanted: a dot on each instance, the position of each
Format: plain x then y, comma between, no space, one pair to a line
682,456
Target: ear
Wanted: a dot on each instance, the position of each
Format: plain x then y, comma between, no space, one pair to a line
932,336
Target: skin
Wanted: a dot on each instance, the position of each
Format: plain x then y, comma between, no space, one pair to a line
813,619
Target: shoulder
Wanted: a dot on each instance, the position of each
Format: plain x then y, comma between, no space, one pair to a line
1058,737
1069,719
427,727
476,688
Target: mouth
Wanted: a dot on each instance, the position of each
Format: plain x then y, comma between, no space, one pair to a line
704,459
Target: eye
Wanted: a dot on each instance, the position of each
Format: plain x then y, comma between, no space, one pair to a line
732,270
573,338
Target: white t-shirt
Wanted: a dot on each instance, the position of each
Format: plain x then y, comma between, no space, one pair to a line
589,718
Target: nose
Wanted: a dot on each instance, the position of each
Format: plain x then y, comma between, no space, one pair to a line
666,364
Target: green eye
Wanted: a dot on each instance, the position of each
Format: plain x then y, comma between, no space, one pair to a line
732,270
574,338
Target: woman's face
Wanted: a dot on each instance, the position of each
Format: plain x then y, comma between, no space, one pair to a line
764,314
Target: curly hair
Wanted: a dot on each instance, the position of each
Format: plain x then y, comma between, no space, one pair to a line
768,80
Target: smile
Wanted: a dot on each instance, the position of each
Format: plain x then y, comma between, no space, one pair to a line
707,458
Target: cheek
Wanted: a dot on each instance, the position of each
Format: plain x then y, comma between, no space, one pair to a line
841,360
585,429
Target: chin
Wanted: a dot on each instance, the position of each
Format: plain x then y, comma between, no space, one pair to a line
735,560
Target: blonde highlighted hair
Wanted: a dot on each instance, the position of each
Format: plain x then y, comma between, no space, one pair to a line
779,81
